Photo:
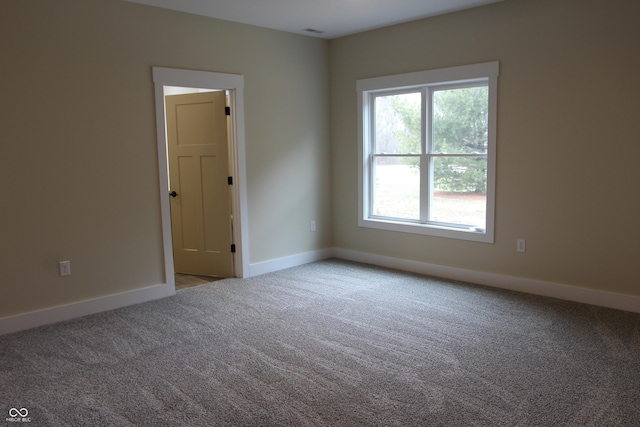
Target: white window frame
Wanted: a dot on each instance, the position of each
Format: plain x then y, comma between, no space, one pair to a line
367,88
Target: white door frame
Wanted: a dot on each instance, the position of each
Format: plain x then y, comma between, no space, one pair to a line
234,83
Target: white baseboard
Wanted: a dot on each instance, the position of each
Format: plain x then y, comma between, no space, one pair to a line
537,287
530,286
82,308
60,313
288,262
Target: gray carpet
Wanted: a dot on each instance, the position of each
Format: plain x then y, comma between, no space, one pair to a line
331,344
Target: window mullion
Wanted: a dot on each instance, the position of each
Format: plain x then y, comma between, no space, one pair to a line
372,174
371,103
426,169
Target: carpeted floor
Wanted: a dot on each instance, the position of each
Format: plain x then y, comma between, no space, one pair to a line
332,343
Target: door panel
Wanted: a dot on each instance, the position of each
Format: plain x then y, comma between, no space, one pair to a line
197,142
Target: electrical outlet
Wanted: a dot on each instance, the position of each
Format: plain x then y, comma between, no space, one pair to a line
65,268
521,245
313,226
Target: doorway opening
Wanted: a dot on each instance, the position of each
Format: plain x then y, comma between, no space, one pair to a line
169,82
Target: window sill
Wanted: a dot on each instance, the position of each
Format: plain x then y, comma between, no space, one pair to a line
471,234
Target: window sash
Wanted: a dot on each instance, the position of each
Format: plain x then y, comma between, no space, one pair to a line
426,162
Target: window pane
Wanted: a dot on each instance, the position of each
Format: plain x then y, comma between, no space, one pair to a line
459,191
396,187
460,120
398,125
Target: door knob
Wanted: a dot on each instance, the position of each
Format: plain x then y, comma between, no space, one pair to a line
173,194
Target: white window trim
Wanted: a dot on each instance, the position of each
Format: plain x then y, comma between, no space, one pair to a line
488,71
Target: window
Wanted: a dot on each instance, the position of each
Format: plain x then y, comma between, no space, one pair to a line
427,152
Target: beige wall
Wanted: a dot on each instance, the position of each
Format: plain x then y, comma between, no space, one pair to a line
78,161
78,145
568,136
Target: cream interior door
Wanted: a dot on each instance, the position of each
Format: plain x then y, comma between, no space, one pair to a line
197,142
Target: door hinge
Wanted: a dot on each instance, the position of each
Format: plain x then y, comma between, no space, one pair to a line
230,180
233,248
227,111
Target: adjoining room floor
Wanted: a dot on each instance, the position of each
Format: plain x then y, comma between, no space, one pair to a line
184,281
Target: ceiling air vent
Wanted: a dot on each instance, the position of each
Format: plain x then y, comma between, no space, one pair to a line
313,30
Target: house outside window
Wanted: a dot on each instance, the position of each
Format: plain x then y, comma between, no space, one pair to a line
427,152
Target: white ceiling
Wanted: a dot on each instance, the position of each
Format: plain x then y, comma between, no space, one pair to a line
335,18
